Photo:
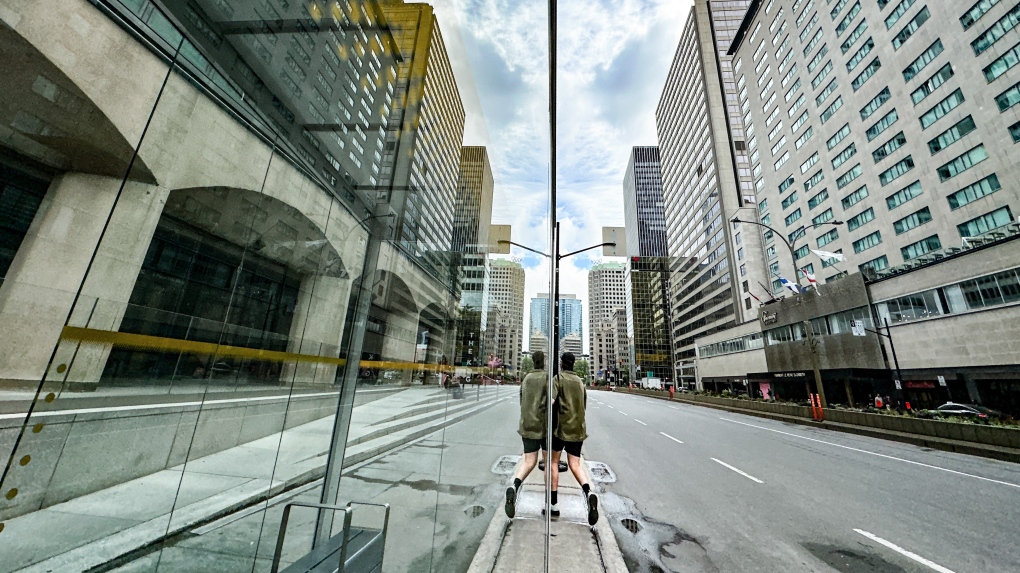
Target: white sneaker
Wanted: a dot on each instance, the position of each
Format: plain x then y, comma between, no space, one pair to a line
554,510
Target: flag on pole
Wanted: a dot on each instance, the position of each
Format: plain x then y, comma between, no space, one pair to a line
754,297
811,280
829,256
792,286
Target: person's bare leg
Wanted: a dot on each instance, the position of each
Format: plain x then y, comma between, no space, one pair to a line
555,470
527,464
574,462
591,501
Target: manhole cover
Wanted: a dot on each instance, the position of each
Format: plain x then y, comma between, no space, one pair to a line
474,510
505,465
601,472
632,525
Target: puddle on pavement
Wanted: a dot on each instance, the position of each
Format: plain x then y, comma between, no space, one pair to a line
650,546
505,465
845,560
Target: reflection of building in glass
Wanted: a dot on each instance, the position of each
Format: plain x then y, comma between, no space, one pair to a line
472,217
538,341
423,148
571,343
647,283
642,198
706,181
506,291
607,292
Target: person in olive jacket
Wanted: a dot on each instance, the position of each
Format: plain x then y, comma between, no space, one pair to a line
571,400
534,397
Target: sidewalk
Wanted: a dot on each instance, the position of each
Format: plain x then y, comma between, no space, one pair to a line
96,528
518,545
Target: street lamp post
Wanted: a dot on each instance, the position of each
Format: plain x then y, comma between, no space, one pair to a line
812,343
789,244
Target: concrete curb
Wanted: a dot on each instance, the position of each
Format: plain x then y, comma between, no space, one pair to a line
609,549
945,444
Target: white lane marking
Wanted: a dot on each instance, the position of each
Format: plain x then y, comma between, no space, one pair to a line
622,412
877,454
904,552
610,406
640,422
161,406
673,407
671,437
748,476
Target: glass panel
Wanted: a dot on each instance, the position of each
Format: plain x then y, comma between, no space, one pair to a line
250,241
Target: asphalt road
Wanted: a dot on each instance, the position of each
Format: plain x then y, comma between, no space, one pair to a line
716,491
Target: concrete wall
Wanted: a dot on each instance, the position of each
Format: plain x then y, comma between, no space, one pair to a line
979,338
834,351
77,454
844,294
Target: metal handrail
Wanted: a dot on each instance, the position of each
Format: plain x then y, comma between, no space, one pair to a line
286,517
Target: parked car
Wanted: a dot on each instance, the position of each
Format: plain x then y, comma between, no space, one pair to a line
967,410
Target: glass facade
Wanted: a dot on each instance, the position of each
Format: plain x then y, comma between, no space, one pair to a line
245,275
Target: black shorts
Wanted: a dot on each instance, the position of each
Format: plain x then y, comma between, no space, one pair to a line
531,446
573,448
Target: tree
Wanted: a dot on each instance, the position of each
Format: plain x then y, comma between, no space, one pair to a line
581,369
527,365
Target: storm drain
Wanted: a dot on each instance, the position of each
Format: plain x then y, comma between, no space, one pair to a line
600,472
474,510
505,465
631,525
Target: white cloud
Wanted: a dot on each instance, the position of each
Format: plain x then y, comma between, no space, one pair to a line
613,56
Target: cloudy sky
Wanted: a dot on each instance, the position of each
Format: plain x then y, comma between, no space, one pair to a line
613,59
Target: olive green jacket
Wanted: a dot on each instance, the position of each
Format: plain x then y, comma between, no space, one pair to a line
571,399
534,393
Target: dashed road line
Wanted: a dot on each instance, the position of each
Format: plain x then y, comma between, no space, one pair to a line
748,476
640,422
876,454
904,552
622,412
671,437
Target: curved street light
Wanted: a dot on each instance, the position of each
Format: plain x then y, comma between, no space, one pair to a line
789,245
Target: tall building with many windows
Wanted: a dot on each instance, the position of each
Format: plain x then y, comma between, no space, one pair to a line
894,141
642,204
506,291
472,217
420,162
715,265
571,316
607,292
647,282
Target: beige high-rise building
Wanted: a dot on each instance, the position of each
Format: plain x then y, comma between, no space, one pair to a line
571,343
538,341
607,292
424,134
506,291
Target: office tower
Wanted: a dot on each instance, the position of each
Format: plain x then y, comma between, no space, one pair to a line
472,217
893,143
506,291
538,314
571,343
606,293
647,281
538,341
424,136
715,265
643,205
571,316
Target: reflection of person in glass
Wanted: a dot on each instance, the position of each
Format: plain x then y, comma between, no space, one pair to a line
534,397
571,400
